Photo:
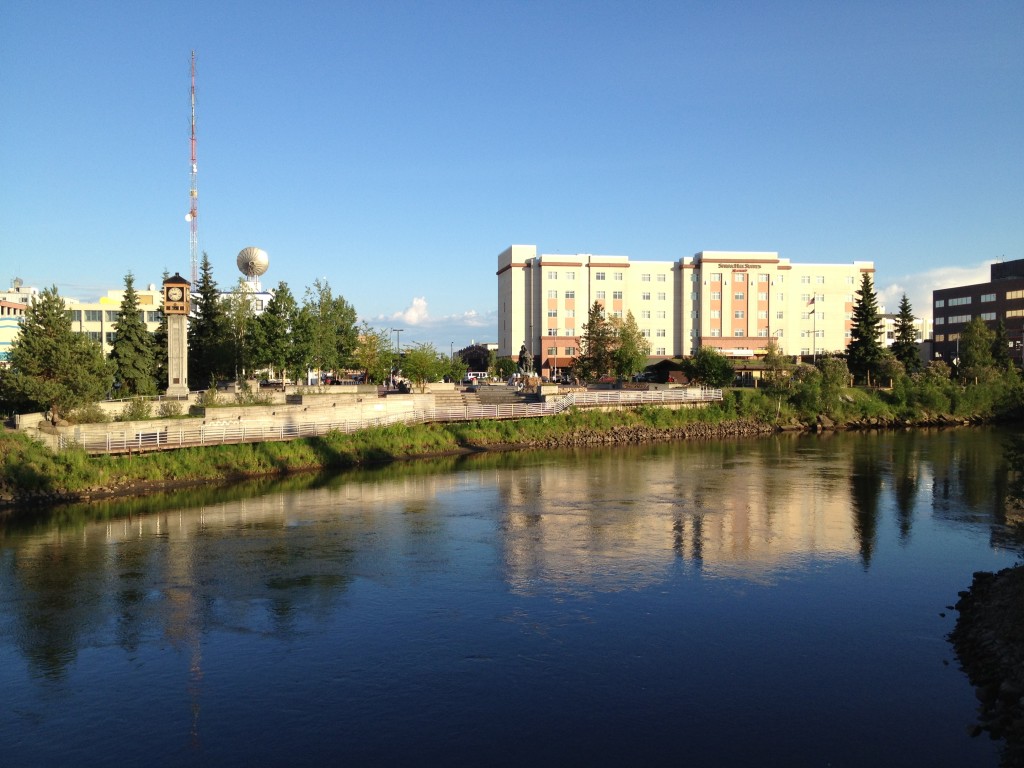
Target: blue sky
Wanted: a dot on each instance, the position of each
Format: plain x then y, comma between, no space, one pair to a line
395,148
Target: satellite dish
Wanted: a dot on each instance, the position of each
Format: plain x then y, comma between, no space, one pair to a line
252,262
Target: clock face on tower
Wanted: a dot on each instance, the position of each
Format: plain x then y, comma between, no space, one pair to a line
175,294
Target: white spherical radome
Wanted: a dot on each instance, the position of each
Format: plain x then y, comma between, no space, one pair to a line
252,261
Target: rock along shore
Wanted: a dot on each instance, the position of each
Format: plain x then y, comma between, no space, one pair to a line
989,642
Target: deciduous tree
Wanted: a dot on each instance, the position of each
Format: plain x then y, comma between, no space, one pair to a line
631,347
709,367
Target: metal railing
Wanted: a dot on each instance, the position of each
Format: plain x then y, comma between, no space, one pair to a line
108,439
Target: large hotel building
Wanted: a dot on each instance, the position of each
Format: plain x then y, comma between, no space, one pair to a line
734,301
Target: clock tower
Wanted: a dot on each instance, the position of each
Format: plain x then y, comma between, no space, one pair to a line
177,304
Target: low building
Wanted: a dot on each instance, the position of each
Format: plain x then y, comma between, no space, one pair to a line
98,319
1000,299
11,314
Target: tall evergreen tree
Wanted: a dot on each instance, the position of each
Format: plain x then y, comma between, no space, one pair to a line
865,349
133,353
904,346
52,368
596,346
160,348
273,343
207,355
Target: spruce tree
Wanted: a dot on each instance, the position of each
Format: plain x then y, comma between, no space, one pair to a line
208,356
52,368
865,349
904,347
596,346
273,345
133,353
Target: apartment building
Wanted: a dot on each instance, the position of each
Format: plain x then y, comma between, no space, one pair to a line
1001,298
734,301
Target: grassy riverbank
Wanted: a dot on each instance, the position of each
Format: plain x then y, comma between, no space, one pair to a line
28,470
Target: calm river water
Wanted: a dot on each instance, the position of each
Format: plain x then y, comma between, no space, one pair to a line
779,601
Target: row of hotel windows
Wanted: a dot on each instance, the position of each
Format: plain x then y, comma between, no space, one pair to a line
957,302
715,296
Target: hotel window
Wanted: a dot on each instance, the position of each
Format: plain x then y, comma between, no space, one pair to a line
716,295
75,314
660,314
739,296
805,315
960,301
93,335
940,321
716,314
599,276
645,314
661,296
738,277
960,319
805,279
94,316
820,279
693,314
778,333
694,277
988,315
739,314
988,297
660,278
849,280
645,296
552,313
152,317
1014,295
570,294
781,297
600,295
805,298
716,277
646,333
940,303
617,313
616,294
739,332
780,279
778,314
552,275
762,314
552,294
617,275
762,331
660,333
646,278
693,296
570,313
552,351
570,275
552,331
762,278
112,315
110,337
762,296
570,351
716,332
659,351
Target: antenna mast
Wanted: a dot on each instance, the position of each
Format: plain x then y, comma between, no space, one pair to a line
193,240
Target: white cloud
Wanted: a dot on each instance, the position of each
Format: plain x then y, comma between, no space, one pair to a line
459,328
919,286
415,314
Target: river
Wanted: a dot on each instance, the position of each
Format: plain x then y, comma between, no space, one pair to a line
770,601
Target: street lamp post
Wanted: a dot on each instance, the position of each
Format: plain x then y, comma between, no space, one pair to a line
451,351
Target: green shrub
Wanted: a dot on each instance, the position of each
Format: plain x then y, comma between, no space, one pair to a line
90,413
136,409
169,409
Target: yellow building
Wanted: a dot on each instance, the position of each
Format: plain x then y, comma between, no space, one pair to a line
98,319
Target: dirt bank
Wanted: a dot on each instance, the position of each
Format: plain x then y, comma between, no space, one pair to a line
989,642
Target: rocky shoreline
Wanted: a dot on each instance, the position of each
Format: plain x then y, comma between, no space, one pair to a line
989,643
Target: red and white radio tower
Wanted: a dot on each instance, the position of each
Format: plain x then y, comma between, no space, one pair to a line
193,193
